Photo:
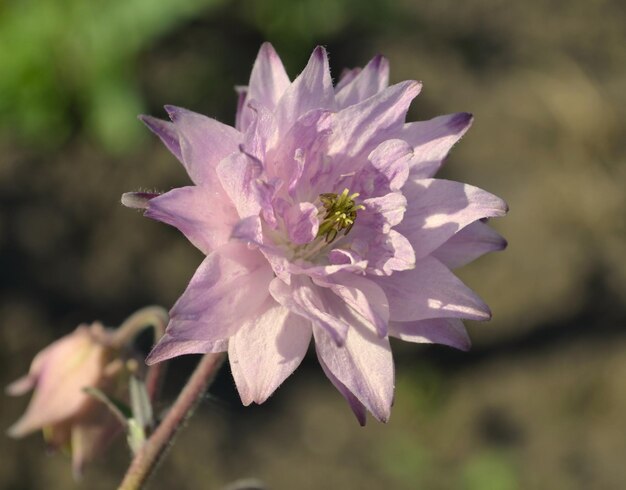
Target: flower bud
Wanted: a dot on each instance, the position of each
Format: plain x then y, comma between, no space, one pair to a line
71,419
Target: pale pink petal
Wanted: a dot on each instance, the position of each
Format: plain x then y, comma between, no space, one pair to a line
268,80
357,407
313,89
362,295
445,331
390,159
238,175
432,141
301,222
430,290
230,284
437,209
204,142
205,220
363,126
468,244
381,213
317,304
166,131
373,78
384,253
169,347
346,76
267,349
72,363
363,365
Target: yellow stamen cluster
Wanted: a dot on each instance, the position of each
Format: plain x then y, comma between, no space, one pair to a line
339,214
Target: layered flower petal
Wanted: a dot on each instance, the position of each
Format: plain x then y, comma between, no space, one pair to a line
445,331
311,90
206,221
468,244
266,350
373,78
166,131
432,141
204,142
437,209
231,284
440,294
363,365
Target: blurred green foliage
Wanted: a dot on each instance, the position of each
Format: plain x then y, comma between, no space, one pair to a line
68,59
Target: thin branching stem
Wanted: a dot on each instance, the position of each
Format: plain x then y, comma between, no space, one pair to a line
148,457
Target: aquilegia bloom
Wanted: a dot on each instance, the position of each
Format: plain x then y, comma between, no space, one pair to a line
320,218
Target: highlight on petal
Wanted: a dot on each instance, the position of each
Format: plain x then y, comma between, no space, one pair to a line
266,350
468,244
438,208
445,331
432,141
170,347
363,126
440,294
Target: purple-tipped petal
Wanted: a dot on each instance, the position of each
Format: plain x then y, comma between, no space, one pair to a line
432,141
266,350
357,407
363,126
138,200
204,142
363,365
430,290
445,331
205,221
312,90
468,244
166,131
367,82
437,209
268,80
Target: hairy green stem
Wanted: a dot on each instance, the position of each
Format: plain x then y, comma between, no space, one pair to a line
148,457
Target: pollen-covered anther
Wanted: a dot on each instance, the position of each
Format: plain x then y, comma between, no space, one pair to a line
338,214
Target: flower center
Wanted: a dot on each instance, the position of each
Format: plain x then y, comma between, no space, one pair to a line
339,214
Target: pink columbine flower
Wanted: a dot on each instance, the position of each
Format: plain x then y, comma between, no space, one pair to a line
320,219
69,418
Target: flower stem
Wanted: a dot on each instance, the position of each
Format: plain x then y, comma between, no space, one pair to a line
149,456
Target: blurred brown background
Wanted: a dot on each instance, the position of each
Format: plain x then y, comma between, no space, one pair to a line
540,401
